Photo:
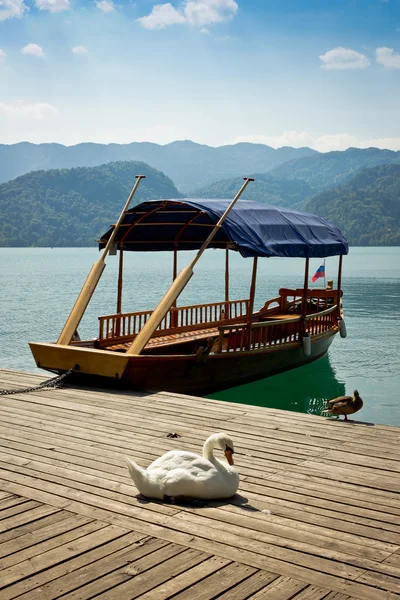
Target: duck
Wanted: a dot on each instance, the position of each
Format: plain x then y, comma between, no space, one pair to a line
345,405
179,473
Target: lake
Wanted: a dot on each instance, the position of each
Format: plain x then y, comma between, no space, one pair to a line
39,287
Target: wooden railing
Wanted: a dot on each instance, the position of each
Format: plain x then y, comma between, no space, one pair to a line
317,299
197,316
236,338
209,314
290,301
123,325
322,321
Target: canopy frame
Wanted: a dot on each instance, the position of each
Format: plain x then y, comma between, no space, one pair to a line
253,229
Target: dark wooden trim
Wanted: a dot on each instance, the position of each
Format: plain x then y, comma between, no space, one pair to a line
339,282
120,278
305,288
227,275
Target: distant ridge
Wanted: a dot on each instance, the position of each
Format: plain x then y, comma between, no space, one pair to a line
324,171
73,207
366,208
188,164
265,188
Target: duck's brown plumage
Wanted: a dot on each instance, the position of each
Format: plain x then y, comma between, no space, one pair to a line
344,405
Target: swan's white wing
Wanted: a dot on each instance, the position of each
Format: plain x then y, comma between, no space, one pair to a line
179,459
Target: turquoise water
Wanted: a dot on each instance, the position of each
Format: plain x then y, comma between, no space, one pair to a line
39,286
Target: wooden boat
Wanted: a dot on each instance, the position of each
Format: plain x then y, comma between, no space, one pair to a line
205,347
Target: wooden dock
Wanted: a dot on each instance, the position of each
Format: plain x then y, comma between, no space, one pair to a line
317,515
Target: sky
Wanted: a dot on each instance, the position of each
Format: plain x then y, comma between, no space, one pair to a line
317,73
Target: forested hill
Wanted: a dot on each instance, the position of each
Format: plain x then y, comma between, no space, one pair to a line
189,165
325,171
366,209
73,207
264,188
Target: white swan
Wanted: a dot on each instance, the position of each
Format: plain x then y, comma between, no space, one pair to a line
181,473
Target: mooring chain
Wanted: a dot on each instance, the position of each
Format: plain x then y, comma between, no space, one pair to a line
55,382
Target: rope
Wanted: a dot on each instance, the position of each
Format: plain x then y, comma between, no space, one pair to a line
55,382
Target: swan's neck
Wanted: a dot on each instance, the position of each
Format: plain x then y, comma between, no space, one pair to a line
208,450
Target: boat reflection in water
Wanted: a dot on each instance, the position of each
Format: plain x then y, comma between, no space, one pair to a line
303,390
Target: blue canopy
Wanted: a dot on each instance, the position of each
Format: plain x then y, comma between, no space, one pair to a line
251,228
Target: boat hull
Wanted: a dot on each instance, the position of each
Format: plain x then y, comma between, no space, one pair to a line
177,373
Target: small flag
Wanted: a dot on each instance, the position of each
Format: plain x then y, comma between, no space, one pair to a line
320,272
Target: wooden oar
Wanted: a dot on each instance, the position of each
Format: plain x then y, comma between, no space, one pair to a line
92,279
178,285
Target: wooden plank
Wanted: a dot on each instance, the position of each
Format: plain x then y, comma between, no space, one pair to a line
133,566
4,495
26,517
313,593
309,526
337,596
394,559
30,544
251,585
80,569
78,541
83,576
379,580
217,583
283,588
367,515
160,429
11,500
289,536
17,509
352,475
385,500
188,578
34,525
165,570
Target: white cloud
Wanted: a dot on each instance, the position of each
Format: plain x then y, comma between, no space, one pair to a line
205,12
33,50
193,12
161,16
338,141
38,111
323,143
384,143
11,8
2,55
105,5
53,6
79,50
388,58
343,58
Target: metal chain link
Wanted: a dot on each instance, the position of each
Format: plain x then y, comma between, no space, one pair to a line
55,382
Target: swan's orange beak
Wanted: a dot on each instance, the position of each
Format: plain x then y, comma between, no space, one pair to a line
229,457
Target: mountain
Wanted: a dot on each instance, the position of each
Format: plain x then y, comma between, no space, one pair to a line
265,188
73,207
366,209
188,164
325,171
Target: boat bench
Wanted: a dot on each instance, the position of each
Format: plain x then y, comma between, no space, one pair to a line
171,339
